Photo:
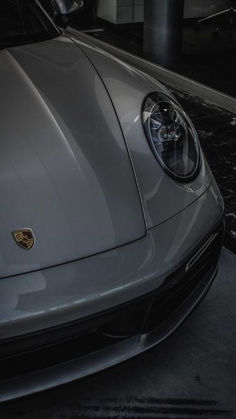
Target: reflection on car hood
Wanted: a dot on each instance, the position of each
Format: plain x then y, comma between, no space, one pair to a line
162,197
65,171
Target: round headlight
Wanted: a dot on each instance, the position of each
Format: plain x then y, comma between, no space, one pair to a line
172,136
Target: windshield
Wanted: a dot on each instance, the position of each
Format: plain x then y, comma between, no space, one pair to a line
24,22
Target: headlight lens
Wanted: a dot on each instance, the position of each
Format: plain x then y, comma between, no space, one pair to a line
172,136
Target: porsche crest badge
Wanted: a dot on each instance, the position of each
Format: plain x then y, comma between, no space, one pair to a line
24,238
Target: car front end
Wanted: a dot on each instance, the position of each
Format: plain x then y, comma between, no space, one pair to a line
66,322
111,223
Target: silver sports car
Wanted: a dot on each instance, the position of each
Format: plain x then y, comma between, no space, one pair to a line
111,221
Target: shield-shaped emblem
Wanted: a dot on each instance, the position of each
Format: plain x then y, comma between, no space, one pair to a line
24,238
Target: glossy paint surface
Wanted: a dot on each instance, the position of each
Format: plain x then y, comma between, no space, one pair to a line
76,168
162,197
65,171
61,294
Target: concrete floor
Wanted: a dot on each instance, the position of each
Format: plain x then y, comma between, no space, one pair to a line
191,375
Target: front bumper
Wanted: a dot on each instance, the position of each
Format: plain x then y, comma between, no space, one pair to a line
67,322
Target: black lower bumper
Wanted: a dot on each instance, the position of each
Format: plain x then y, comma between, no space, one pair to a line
80,348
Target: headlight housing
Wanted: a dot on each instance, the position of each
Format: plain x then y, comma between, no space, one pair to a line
171,136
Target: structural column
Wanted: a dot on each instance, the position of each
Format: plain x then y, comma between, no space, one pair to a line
163,21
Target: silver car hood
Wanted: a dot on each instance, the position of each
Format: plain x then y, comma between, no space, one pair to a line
162,197
65,170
